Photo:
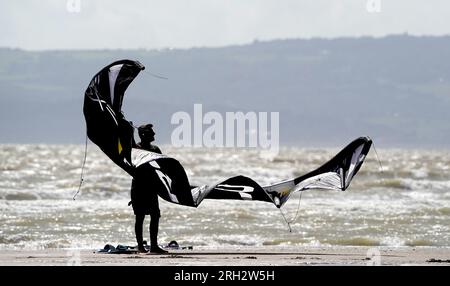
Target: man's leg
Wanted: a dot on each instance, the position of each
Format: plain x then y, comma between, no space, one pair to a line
154,227
138,229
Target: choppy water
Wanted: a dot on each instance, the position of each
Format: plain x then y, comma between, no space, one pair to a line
408,204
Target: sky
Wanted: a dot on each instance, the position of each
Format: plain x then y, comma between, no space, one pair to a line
150,24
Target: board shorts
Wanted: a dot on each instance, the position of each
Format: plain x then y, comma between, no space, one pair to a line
144,197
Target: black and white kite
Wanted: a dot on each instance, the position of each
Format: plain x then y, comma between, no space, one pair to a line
109,130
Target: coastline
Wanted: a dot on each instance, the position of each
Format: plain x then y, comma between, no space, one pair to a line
254,256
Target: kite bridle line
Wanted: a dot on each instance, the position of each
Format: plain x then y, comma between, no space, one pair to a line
279,208
298,208
376,154
154,75
379,161
82,168
296,213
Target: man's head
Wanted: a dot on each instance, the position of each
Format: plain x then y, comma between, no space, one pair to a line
146,133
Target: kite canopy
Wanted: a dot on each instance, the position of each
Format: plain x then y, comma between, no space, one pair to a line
109,130
105,122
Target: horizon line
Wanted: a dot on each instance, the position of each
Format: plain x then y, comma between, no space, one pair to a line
248,43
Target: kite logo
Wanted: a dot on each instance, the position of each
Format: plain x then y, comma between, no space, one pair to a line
119,147
73,6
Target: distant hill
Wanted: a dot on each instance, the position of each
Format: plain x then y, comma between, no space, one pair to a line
395,89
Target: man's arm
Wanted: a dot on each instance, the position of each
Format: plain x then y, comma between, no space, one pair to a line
133,142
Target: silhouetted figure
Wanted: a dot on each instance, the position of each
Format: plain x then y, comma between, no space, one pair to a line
143,198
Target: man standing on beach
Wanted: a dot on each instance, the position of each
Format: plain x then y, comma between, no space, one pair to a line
144,199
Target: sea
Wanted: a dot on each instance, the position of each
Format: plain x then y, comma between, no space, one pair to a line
404,201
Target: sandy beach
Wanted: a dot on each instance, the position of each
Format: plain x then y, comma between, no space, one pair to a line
265,256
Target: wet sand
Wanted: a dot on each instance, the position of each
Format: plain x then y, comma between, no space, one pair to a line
248,256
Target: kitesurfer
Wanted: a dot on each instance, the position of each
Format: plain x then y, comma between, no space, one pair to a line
144,199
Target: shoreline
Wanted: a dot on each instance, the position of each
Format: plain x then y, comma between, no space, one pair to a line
248,256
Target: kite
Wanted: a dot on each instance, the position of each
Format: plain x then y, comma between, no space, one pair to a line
108,128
